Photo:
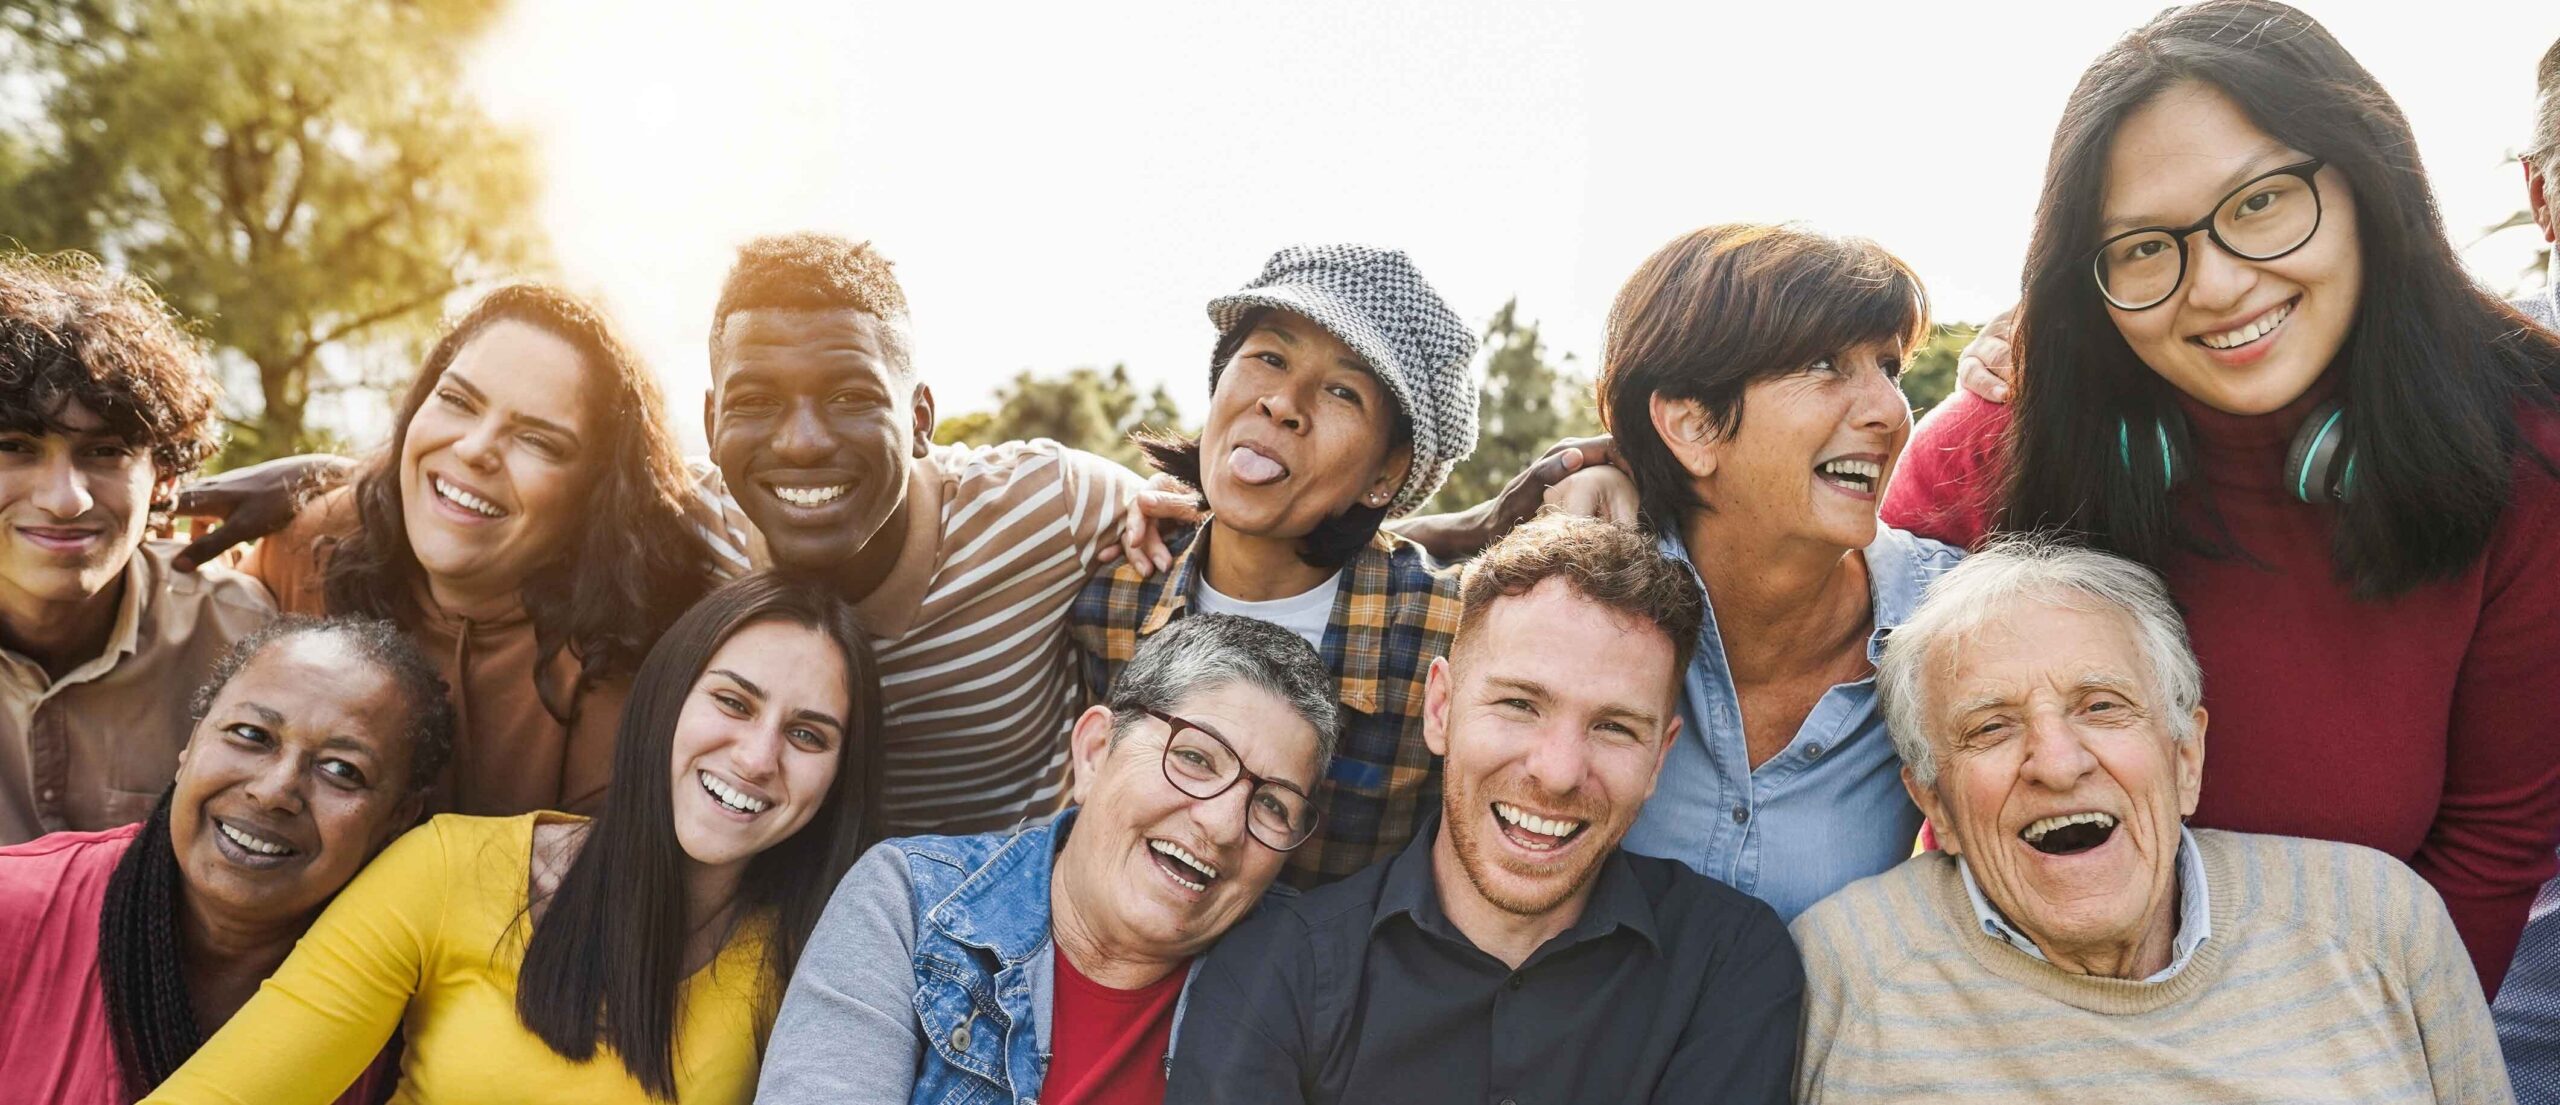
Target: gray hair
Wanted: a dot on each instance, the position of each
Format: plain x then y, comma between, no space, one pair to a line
1207,651
2546,128
2031,568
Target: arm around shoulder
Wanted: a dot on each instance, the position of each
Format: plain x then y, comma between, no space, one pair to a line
847,1031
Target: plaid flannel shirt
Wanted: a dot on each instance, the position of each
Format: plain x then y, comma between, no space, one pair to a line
1395,611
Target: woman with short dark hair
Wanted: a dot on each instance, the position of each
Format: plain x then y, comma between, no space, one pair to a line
2250,359
313,746
1751,378
640,956
527,525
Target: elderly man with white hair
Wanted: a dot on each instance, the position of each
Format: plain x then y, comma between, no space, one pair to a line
2073,940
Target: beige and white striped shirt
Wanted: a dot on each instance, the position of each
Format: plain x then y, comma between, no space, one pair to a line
971,627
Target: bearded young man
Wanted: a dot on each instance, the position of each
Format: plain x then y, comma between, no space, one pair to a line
1513,952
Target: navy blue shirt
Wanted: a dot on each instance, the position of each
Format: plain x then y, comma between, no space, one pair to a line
1671,987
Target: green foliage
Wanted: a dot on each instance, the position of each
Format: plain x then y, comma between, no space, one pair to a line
1526,405
1931,375
305,177
1083,408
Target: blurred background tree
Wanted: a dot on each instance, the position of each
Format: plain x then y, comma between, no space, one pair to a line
1526,404
1083,408
307,179
1931,375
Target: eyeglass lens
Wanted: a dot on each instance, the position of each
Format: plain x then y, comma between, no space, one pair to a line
1204,767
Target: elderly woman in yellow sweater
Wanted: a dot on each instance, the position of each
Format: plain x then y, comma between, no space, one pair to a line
637,957
2074,940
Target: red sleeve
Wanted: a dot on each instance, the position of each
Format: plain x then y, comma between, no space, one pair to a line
1947,485
2490,847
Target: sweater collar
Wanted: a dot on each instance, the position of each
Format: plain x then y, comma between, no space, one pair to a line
2195,911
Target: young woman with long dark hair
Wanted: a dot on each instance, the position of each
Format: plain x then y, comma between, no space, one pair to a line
527,525
2250,359
640,956
313,745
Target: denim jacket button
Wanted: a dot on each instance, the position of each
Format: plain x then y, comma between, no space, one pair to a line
960,1038
1741,814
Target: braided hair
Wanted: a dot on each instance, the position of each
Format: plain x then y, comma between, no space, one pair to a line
141,967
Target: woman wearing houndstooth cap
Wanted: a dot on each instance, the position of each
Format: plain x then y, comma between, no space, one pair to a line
1340,396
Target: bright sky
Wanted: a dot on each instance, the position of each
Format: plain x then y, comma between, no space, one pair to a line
1069,184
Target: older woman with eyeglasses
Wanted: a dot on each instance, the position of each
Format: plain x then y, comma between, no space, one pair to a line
1192,784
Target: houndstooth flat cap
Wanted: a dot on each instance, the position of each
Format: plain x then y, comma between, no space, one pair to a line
1379,305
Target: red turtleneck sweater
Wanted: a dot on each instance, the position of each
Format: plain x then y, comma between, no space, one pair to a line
2426,726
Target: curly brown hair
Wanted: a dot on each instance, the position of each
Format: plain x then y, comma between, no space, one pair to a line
1617,566
73,331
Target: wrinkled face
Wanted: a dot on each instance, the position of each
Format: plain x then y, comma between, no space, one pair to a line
1553,716
2058,778
1298,432
759,741
293,780
494,467
1812,452
72,508
2243,337
1163,874
815,428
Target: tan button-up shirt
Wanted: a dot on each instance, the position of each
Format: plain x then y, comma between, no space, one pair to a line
94,749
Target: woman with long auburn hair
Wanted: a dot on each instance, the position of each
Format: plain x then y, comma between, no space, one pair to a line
2250,359
639,956
527,525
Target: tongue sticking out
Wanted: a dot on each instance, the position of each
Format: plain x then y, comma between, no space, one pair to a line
1254,468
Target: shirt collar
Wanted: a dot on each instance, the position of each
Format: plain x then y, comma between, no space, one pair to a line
1362,612
124,638
1616,899
1898,570
2195,910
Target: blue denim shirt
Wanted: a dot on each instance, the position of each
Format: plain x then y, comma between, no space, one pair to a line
985,972
1829,808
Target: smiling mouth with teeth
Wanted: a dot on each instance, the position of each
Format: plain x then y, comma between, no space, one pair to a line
251,842
2262,326
1178,864
730,796
1536,833
455,494
1860,476
2069,834
811,496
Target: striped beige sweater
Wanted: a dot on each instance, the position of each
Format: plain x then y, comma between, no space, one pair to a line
2333,975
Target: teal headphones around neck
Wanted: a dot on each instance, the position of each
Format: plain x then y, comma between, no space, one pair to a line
2318,468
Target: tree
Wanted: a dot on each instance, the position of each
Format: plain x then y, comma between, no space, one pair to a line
1931,375
306,178
1082,408
1525,405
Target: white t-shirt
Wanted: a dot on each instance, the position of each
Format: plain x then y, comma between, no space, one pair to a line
1305,614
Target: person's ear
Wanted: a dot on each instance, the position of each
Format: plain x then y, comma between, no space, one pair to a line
1685,429
1391,476
710,424
923,404
1660,754
2190,757
1089,744
2538,186
1436,689
1927,799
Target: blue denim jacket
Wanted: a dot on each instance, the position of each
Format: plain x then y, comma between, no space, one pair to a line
985,974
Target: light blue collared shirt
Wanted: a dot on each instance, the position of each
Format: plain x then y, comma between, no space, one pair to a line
1829,808
2195,911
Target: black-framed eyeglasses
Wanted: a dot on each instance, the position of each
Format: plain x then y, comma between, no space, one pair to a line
1203,765
2262,220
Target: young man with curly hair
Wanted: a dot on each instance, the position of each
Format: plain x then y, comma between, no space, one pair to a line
105,404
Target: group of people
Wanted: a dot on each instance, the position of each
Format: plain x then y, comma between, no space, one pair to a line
1793,752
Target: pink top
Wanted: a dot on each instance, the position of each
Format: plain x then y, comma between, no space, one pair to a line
54,1041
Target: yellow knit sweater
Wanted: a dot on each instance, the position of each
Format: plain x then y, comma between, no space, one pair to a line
2333,974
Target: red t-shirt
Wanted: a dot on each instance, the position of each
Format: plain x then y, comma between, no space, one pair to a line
2423,726
1106,1046
55,1045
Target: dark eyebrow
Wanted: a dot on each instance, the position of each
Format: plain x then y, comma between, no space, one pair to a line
1276,330
350,744
740,680
1524,686
2268,160
265,714
464,382
820,717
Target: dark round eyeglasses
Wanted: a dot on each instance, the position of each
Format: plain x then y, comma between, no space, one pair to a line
1203,765
2262,220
